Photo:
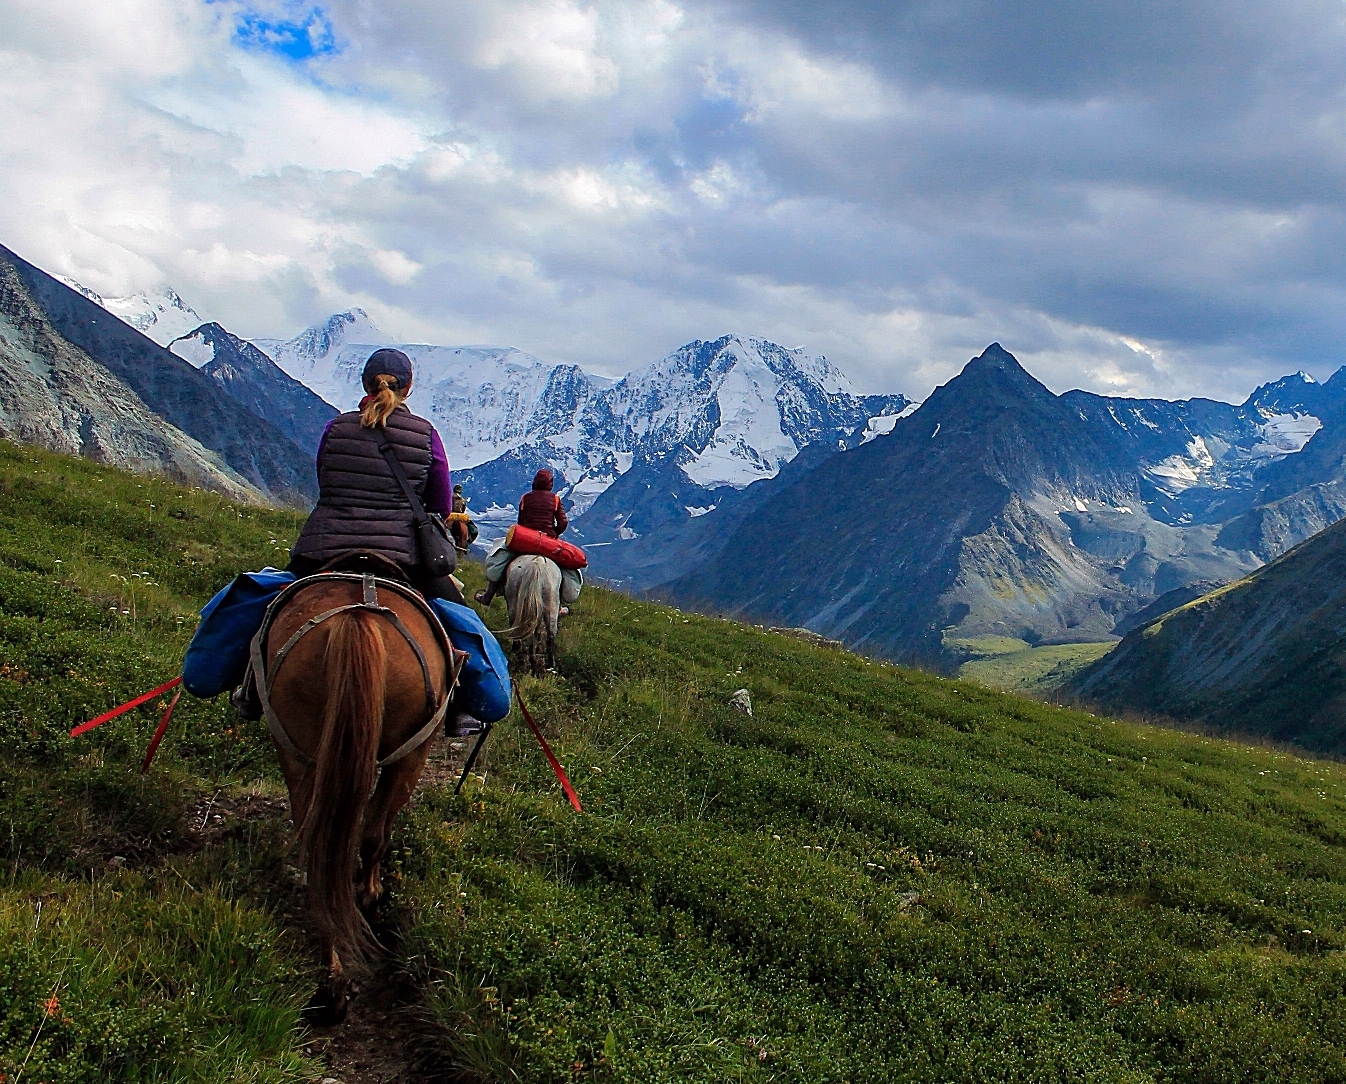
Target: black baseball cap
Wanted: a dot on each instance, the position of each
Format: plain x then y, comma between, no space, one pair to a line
387,362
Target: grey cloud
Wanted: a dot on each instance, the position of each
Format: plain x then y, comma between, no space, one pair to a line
896,184
1213,51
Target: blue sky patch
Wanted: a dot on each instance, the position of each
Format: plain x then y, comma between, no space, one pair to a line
298,39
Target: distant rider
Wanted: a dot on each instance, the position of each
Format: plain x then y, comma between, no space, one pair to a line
539,509
360,504
462,528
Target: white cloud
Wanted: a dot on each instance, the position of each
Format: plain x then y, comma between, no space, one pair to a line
601,181
394,266
271,119
553,46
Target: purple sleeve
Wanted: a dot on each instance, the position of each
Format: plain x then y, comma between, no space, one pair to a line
322,440
438,484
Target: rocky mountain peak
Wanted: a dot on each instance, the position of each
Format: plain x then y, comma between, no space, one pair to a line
211,346
998,357
993,384
996,368
198,347
351,326
1298,393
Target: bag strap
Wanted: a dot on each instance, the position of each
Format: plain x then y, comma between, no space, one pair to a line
386,450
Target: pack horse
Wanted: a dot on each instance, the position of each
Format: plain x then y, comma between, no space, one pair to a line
354,675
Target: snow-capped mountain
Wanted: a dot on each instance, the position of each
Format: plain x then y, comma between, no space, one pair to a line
484,400
1196,455
741,408
162,315
733,410
313,357
665,439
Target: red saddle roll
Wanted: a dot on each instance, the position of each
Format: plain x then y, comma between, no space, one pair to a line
526,540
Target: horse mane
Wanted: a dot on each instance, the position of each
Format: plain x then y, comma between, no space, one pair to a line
344,775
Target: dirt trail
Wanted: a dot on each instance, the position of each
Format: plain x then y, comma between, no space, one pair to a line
383,1038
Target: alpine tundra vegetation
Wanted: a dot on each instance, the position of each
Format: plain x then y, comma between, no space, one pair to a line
879,875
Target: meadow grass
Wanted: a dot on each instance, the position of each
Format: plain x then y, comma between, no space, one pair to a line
880,875
124,953
1034,671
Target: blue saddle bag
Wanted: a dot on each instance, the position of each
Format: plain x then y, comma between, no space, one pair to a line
217,657
483,685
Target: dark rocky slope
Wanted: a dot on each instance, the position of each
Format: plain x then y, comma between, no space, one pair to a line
257,382
172,389
54,395
1265,655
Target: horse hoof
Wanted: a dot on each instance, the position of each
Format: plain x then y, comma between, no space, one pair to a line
328,1007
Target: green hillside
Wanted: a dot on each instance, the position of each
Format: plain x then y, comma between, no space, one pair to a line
879,876
1264,655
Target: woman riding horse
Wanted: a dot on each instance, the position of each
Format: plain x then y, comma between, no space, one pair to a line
355,673
540,510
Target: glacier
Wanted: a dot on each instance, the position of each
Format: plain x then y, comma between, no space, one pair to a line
161,315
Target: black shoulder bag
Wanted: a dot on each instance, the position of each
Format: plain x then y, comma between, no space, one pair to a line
437,553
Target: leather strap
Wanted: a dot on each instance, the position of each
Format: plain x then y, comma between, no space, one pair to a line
264,676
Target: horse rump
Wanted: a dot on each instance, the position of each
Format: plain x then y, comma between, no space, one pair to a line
533,592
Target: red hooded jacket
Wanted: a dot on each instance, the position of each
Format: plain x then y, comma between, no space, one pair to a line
540,508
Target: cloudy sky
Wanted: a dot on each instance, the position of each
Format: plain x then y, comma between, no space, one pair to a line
1144,197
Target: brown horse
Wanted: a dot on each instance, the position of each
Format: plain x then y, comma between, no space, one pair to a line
357,678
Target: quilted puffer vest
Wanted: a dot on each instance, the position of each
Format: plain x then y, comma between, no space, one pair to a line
360,504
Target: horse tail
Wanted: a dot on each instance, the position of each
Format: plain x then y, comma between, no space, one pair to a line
344,774
529,605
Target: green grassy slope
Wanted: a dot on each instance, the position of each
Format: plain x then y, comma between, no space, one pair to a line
879,876
1265,655
126,953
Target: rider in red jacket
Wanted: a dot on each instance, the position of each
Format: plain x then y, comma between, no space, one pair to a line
539,509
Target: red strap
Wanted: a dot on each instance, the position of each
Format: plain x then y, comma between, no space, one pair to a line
76,731
555,764
159,733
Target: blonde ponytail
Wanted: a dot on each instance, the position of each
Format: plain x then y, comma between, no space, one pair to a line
383,402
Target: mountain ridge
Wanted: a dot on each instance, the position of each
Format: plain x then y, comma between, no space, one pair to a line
1263,655
253,379
56,396
994,509
732,410
172,389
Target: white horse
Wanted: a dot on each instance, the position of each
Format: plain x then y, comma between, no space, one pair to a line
533,595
